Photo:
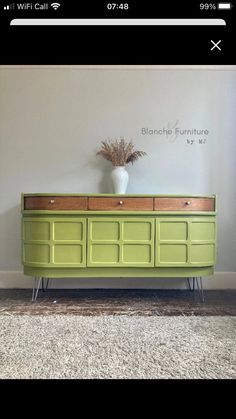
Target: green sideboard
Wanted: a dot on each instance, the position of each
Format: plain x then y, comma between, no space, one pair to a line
105,235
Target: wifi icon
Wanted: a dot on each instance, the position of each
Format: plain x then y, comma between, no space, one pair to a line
55,6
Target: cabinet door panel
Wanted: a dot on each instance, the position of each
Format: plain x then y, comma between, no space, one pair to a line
202,253
202,231
173,253
137,254
68,242
65,254
36,254
68,230
102,230
120,242
185,241
137,230
173,230
105,254
54,241
36,231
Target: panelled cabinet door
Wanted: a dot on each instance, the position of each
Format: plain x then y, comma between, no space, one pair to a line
54,242
120,242
182,241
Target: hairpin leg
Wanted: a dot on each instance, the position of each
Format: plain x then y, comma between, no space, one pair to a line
44,288
37,283
191,288
47,283
200,288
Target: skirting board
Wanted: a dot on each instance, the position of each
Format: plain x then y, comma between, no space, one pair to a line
17,280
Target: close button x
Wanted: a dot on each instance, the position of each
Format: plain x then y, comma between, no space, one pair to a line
216,45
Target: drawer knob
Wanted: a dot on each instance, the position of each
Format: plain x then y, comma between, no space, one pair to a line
121,202
52,201
188,203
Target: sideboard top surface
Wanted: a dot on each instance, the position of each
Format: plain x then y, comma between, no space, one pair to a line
117,195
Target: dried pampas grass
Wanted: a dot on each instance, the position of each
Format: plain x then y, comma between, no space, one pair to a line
119,152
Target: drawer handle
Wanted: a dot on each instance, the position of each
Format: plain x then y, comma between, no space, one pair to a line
121,202
188,203
51,201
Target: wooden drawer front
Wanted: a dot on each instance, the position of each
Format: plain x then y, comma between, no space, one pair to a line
55,203
120,204
184,204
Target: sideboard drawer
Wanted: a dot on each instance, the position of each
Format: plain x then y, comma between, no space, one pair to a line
184,204
55,203
120,204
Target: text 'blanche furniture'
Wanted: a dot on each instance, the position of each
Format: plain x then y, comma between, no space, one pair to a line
77,235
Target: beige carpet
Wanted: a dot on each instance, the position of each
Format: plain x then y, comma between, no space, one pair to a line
59,346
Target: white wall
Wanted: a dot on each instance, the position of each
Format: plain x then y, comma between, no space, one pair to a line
52,122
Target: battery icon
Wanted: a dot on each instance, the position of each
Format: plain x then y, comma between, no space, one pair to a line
224,6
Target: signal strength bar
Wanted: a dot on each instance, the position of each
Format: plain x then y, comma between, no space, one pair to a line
9,7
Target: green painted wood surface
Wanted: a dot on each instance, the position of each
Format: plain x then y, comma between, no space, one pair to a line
112,213
54,241
119,272
186,241
120,241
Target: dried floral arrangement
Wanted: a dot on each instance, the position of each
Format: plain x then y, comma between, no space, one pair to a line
119,152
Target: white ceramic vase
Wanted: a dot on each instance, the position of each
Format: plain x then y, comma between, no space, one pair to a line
120,178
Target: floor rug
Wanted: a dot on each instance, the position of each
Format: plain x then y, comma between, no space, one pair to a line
117,347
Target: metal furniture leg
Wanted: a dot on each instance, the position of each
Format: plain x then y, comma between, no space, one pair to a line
200,289
34,287
191,288
37,283
47,283
44,288
188,284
